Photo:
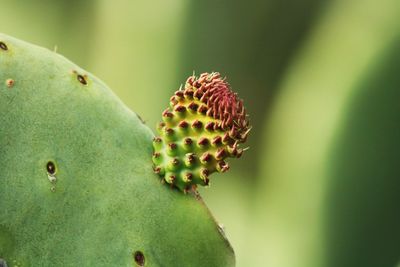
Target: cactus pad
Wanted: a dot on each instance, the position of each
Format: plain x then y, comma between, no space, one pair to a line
205,124
76,184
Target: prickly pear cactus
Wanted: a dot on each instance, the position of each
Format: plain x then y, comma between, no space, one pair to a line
204,125
77,186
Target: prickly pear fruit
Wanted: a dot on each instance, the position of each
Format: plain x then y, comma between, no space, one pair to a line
76,183
204,125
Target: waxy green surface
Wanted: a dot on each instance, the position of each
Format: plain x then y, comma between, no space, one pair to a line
103,203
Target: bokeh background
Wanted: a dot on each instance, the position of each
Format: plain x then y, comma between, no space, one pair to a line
320,184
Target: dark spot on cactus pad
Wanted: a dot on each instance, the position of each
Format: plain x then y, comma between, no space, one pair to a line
82,79
51,168
10,83
139,258
3,46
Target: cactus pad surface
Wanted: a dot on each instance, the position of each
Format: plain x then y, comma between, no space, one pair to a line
77,187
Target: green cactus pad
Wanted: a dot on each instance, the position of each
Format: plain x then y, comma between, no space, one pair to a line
76,184
204,125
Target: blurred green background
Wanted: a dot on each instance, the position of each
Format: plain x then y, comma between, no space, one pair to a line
320,185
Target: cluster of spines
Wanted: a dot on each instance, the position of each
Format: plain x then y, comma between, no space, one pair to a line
204,125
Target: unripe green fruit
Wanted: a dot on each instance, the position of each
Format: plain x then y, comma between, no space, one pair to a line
76,183
204,125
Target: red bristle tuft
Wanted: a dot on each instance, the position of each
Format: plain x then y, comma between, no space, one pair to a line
222,103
